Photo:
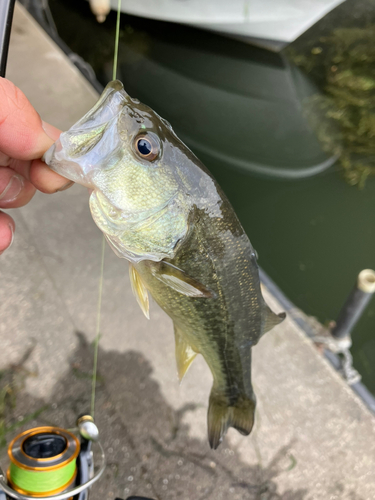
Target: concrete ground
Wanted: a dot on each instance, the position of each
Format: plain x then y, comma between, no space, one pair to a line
313,438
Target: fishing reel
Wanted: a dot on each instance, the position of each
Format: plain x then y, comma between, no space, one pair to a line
52,463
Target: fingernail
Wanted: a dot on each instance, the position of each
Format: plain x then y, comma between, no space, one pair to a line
50,130
13,189
65,186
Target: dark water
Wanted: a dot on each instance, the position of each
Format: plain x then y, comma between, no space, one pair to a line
290,137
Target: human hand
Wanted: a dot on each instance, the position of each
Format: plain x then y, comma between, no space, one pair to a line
24,138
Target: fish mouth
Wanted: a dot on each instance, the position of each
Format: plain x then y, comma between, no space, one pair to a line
77,163
66,168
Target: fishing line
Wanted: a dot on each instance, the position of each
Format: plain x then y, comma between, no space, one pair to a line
117,40
100,294
97,336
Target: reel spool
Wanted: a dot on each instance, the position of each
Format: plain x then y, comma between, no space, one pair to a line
52,463
43,461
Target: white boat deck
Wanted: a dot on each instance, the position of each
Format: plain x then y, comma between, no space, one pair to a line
277,20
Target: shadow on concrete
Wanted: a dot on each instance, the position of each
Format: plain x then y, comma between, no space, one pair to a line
148,448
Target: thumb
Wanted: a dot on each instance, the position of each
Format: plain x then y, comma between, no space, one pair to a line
21,129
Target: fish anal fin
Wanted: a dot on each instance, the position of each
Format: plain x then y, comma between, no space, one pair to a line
180,281
221,416
185,354
139,291
271,319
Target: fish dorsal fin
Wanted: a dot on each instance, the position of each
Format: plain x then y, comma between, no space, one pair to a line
271,319
185,354
180,281
139,291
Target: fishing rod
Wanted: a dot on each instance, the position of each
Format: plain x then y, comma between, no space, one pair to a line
6,17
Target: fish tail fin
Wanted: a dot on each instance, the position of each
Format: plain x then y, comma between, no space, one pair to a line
221,415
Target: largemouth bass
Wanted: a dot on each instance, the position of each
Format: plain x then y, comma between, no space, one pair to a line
161,209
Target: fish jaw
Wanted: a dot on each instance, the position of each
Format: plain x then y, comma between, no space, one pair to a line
54,158
152,236
89,143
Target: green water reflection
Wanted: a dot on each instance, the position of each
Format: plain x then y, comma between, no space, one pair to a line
243,111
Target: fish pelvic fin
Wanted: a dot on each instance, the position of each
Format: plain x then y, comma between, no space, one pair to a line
185,354
221,416
139,291
271,319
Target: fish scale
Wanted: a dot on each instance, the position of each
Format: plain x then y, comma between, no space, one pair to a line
162,210
222,329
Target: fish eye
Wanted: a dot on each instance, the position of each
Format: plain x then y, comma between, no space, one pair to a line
147,146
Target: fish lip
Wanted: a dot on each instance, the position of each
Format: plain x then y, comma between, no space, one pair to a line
116,85
114,89
57,157
74,174
48,155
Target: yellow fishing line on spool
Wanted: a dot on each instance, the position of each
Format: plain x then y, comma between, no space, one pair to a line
34,482
43,461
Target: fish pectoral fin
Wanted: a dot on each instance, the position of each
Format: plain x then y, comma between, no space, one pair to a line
271,319
185,354
180,281
139,290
